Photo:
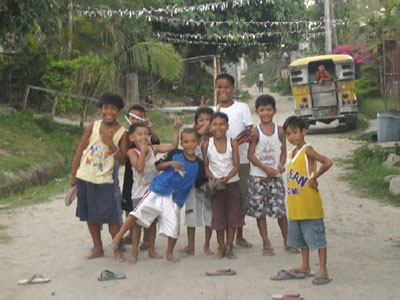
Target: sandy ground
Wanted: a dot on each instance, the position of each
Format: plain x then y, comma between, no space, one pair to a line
362,257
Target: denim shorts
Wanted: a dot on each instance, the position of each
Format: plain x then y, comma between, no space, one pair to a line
307,234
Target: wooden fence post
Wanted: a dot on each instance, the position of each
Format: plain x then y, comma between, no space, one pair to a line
25,98
83,114
53,109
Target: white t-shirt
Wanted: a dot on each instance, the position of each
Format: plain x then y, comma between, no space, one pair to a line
260,77
239,118
220,164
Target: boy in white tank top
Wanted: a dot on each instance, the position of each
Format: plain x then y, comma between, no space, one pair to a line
266,190
221,161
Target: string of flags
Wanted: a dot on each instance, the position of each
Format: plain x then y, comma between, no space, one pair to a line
174,10
230,44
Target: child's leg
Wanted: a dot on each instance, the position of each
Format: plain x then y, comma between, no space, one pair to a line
152,241
146,238
113,228
128,237
170,250
208,234
136,231
189,249
130,220
221,242
283,225
305,265
262,228
323,271
229,243
94,230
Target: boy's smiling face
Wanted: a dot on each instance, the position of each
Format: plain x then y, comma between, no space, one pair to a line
140,136
138,113
224,90
266,113
109,113
295,136
202,120
219,127
189,143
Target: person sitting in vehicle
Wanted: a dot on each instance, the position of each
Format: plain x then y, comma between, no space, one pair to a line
322,75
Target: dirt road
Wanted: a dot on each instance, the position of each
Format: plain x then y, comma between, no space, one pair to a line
362,257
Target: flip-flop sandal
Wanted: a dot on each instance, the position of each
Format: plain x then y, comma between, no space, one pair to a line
321,280
311,274
287,297
292,250
70,196
287,275
221,272
36,278
109,275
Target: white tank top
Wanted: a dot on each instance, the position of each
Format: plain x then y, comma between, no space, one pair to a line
220,164
268,151
142,180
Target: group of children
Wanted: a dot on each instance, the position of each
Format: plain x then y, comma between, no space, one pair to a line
216,177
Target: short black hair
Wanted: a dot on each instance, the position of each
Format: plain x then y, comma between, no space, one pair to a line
220,115
265,100
203,110
230,78
113,99
294,122
134,126
189,131
137,107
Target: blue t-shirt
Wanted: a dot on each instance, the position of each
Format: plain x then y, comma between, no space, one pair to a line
178,183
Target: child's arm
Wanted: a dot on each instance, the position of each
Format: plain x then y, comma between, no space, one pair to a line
175,138
78,154
282,158
120,155
136,161
236,162
167,161
326,163
271,172
205,159
106,135
153,134
203,129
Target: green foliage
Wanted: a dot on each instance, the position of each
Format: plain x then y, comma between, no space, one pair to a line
369,173
87,75
369,108
282,86
368,86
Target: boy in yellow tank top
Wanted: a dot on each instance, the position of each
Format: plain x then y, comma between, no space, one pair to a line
306,229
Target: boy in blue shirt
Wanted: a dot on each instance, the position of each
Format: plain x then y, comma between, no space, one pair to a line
168,192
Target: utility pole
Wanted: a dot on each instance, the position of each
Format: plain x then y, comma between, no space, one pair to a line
328,27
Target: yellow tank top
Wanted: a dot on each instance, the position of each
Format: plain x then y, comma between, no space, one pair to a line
97,162
303,202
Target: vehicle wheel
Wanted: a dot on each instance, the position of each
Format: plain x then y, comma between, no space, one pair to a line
352,123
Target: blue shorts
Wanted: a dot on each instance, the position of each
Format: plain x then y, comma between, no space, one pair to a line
307,234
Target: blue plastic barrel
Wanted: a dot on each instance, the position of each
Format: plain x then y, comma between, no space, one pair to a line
388,127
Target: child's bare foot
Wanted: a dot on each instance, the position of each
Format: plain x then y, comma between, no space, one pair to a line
230,254
131,259
95,253
170,257
268,251
207,251
187,250
220,254
144,246
243,243
118,255
154,254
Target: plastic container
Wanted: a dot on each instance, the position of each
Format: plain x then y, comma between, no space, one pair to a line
388,127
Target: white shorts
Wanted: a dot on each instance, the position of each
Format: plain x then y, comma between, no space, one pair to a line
197,208
154,205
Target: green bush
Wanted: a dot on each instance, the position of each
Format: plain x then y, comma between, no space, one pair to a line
282,86
87,75
368,85
364,156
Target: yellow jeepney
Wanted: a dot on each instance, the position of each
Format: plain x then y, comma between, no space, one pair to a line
324,101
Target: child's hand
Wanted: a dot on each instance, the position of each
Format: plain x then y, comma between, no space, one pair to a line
204,102
106,135
313,183
224,180
144,147
281,168
72,181
177,165
178,122
271,172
